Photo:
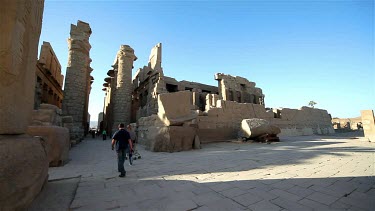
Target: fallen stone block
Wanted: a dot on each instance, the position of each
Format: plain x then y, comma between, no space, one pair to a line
251,128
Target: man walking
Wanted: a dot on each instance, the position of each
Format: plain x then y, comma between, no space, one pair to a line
123,142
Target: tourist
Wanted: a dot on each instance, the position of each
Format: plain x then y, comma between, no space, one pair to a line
93,133
104,135
123,143
133,137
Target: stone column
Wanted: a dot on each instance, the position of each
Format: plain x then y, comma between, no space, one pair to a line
77,81
23,160
123,93
21,23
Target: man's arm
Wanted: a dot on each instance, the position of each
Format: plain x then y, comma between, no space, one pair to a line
113,143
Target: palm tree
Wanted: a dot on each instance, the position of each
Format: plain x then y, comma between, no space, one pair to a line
312,103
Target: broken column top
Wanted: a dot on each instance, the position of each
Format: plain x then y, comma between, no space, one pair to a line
125,50
80,31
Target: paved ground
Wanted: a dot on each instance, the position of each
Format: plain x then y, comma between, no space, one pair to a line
299,173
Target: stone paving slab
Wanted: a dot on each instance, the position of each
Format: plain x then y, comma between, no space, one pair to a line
298,173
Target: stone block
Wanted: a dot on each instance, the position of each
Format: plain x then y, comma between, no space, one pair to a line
67,119
23,170
167,139
57,142
252,128
368,123
208,135
48,115
175,114
260,112
197,143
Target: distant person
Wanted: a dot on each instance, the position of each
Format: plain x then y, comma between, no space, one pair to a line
133,137
121,139
104,135
93,134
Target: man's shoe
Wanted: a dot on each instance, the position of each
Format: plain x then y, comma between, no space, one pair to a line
122,175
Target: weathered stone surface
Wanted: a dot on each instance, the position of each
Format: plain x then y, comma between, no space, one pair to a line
168,139
49,81
368,124
78,79
235,88
47,115
21,23
173,113
23,170
197,143
67,119
252,128
57,142
123,92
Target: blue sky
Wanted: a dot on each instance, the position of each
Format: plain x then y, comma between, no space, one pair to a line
296,51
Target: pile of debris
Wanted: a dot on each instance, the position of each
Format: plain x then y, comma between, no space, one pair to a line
259,130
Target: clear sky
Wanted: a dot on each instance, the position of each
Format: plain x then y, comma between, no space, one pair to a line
296,51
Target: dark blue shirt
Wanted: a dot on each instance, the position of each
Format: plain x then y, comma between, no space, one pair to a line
122,136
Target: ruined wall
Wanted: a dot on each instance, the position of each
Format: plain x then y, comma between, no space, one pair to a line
303,121
148,82
49,80
347,123
238,89
173,128
78,79
222,120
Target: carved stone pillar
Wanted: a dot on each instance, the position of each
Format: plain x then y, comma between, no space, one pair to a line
77,81
123,93
21,23
23,161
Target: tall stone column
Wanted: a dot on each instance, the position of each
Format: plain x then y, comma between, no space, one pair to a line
23,160
123,93
21,23
77,81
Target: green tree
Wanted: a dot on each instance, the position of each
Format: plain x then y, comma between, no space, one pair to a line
312,103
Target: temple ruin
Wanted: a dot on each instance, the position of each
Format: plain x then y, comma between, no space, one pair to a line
171,114
78,80
49,80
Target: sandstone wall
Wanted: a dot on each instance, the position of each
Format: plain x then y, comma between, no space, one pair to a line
235,88
347,123
173,128
368,121
222,122
303,121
